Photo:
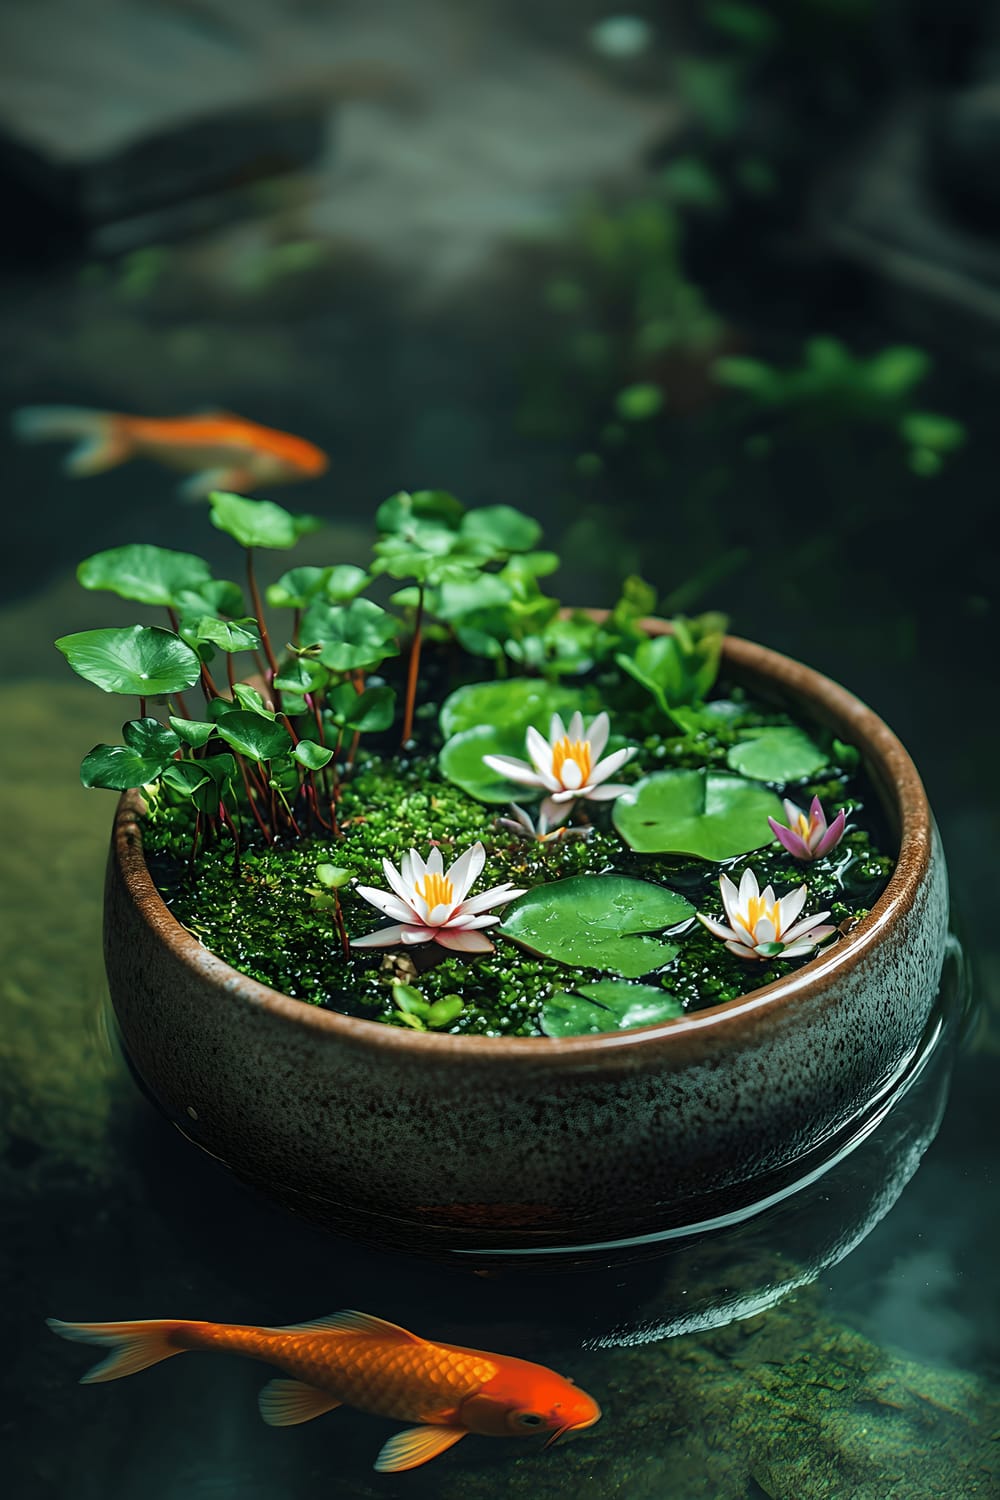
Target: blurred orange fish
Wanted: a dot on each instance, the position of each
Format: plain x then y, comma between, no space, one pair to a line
225,452
356,1360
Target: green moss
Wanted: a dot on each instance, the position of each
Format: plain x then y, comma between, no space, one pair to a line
265,922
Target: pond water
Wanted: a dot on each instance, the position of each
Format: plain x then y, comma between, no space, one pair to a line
843,1342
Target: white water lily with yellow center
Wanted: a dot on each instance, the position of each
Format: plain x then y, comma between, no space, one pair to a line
430,904
567,765
764,926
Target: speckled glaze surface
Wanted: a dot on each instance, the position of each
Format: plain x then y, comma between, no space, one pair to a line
444,1143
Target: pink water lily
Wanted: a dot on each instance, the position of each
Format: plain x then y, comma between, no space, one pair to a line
429,905
808,837
764,926
567,765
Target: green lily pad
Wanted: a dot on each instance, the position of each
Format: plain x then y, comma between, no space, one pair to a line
779,754
595,922
607,1005
710,815
513,704
461,761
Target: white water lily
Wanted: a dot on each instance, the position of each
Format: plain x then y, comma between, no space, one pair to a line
429,905
540,831
762,925
567,765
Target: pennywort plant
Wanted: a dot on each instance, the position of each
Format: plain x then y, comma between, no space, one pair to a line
430,765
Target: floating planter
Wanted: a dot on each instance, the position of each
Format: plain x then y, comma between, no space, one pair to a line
467,922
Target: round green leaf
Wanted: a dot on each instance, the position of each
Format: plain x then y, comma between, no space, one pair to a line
431,507
254,735
344,582
258,523
500,528
442,1012
369,712
637,403
301,675
466,596
352,637
298,587
249,698
712,816
593,922
217,596
607,1005
194,732
311,755
929,429
779,754
206,782
140,659
228,635
149,575
149,748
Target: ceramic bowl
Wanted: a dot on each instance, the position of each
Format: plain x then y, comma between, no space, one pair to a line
531,1145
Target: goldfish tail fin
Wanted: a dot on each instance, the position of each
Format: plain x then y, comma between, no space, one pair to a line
43,424
414,1446
101,443
133,1346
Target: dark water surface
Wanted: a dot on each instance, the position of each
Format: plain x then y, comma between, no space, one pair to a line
864,1362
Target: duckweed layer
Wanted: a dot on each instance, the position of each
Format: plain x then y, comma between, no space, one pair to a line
265,922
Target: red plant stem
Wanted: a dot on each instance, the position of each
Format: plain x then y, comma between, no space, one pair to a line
208,687
338,910
231,674
234,834
142,708
411,676
258,609
250,798
335,788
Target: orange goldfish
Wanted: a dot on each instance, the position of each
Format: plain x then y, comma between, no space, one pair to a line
225,452
356,1360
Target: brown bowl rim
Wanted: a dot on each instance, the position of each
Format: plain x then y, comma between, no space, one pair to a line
887,760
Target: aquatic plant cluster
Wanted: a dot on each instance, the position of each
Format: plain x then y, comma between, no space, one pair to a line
355,772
